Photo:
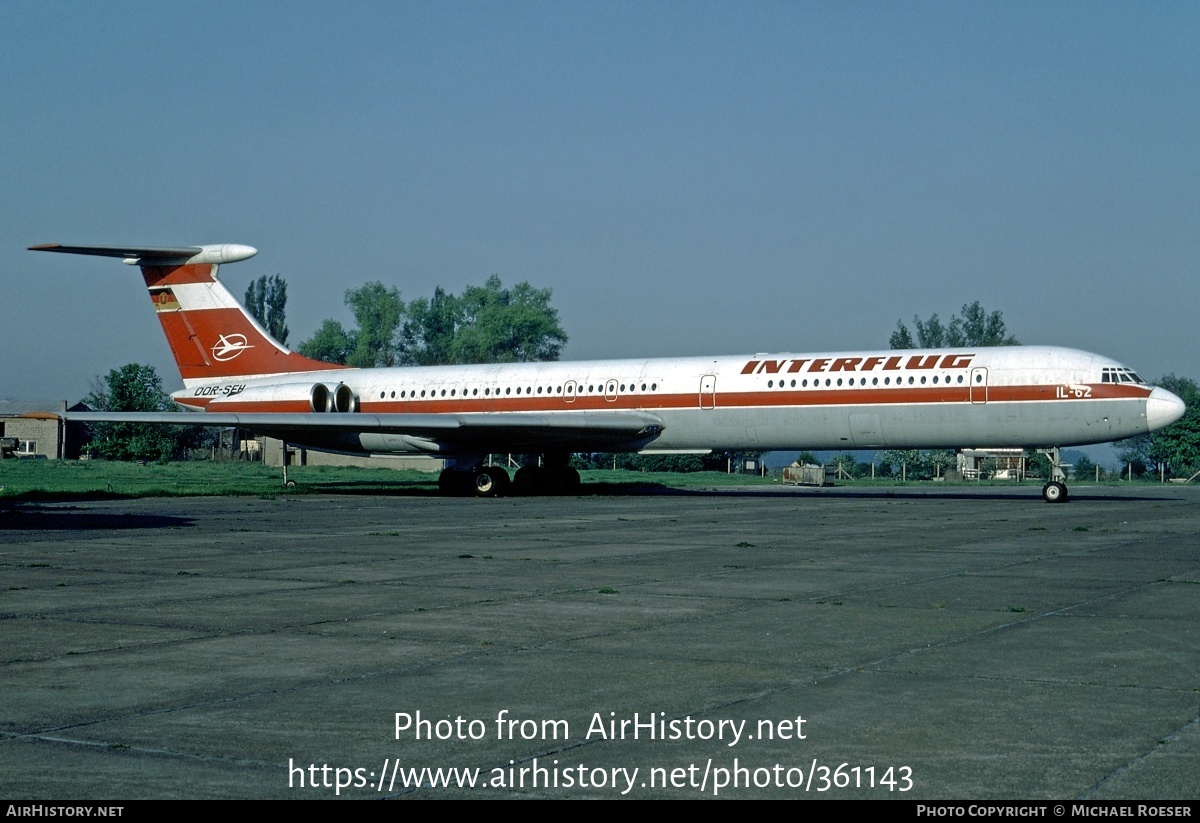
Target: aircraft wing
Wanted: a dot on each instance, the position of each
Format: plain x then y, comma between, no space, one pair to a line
429,433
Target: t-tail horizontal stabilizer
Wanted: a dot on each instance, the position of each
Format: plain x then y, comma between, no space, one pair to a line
160,255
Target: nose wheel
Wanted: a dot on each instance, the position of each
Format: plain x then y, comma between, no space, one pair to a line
1054,492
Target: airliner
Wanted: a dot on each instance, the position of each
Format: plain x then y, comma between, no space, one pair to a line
237,375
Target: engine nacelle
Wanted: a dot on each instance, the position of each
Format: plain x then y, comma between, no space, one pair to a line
299,398
339,398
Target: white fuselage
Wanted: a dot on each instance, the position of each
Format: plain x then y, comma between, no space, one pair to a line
1027,396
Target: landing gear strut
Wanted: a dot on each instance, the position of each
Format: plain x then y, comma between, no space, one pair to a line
287,484
1055,491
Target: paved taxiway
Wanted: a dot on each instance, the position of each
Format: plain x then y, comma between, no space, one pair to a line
996,646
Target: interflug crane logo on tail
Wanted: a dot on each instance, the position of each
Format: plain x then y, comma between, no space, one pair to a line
230,346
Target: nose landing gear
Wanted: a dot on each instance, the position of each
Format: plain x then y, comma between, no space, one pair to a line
1055,491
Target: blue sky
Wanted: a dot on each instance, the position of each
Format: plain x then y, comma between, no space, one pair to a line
689,178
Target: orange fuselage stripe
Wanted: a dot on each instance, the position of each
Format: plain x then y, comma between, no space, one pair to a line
724,400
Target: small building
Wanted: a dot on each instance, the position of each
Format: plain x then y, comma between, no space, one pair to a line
995,464
38,430
807,474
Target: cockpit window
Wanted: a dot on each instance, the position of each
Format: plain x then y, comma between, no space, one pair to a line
1119,374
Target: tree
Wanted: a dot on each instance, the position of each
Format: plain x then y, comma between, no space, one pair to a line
431,328
846,463
1133,463
135,388
978,328
376,341
266,300
1178,445
975,328
916,464
499,325
486,324
1038,465
378,311
680,463
1175,449
931,333
1084,468
902,337
331,343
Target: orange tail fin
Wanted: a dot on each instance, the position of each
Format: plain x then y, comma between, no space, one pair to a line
210,333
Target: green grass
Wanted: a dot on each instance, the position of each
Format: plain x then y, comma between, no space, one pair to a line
98,479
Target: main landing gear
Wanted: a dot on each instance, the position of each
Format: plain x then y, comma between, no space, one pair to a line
480,481
1055,491
546,480
469,479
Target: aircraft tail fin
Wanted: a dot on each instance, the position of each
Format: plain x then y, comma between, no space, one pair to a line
210,333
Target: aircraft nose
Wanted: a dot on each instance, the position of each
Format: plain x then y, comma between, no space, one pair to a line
1162,408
